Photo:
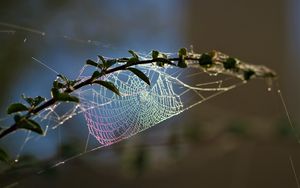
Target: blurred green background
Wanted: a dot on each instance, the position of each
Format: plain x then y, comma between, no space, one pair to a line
239,139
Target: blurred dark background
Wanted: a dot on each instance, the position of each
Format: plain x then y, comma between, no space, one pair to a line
239,139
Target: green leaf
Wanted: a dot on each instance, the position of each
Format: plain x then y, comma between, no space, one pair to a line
30,125
33,101
160,58
24,123
67,98
205,60
64,78
104,64
58,85
102,59
155,54
110,62
133,54
108,85
248,74
96,75
29,100
140,74
91,62
38,100
160,64
63,96
16,107
230,63
54,93
133,60
182,52
3,156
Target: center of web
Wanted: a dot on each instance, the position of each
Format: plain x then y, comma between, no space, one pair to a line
144,97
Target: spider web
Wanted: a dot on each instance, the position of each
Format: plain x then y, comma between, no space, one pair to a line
139,107
111,118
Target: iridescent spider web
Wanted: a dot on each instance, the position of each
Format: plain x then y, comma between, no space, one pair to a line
111,118
139,106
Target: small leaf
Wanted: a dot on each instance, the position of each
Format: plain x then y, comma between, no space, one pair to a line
63,96
102,59
104,64
64,78
30,125
160,58
230,63
58,85
67,97
33,101
24,123
38,100
16,107
3,156
29,100
205,60
96,75
140,74
54,93
110,62
108,85
91,62
133,54
160,64
182,52
248,74
133,60
155,54
67,83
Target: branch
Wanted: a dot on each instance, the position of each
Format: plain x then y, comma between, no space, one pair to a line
210,62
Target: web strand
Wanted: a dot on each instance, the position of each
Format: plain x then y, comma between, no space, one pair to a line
288,115
294,171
